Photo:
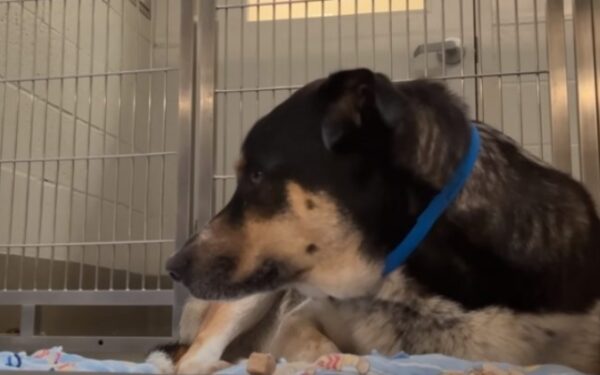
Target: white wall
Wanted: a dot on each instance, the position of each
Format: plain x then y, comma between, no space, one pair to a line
88,200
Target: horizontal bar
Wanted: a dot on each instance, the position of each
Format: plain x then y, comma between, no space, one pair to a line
87,297
89,75
98,344
485,75
265,4
223,176
90,157
444,78
98,243
232,176
15,1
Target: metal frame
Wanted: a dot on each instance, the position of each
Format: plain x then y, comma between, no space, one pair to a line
88,298
596,47
559,101
186,117
204,113
196,118
587,99
79,344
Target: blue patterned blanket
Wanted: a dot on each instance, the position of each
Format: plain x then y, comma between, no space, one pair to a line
55,359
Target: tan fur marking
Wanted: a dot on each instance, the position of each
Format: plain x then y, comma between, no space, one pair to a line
286,236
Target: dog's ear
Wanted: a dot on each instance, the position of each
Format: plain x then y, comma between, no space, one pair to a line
358,103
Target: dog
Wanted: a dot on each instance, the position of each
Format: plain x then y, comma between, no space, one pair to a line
330,181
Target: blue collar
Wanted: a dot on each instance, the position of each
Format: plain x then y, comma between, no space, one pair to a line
436,207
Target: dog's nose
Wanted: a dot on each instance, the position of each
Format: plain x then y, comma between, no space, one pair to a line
176,266
175,276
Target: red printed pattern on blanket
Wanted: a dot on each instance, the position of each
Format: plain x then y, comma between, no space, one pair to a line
338,361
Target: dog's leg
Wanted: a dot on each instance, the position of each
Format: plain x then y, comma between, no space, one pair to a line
299,339
191,319
221,323
306,333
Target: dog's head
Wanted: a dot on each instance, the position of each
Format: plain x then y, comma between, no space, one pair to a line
312,202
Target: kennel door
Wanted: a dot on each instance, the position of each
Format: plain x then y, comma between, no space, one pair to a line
266,49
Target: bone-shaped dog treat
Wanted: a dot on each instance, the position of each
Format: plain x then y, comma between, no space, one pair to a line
261,364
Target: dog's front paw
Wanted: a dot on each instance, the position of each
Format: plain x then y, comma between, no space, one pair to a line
194,366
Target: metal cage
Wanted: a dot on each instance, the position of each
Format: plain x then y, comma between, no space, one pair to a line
88,145
121,119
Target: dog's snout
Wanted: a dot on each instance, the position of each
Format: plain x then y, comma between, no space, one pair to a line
175,276
177,266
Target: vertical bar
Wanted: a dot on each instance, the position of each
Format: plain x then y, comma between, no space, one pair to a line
306,42
596,23
185,176
257,53
117,172
273,82
105,103
258,23
356,48
204,115
537,76
479,46
242,63
443,4
373,62
4,96
133,133
391,37
44,142
16,144
500,83
73,139
426,36
322,38
27,323
409,53
226,97
30,151
339,24
86,190
4,101
462,41
586,97
518,57
289,49
163,160
147,158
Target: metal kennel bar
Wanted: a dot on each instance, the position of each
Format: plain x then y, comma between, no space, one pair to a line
557,64
586,21
89,106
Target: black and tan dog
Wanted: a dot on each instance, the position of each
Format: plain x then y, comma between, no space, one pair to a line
331,180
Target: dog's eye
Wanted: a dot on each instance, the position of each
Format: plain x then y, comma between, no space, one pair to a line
256,177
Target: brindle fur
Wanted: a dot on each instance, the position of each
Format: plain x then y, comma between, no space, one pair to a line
509,273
